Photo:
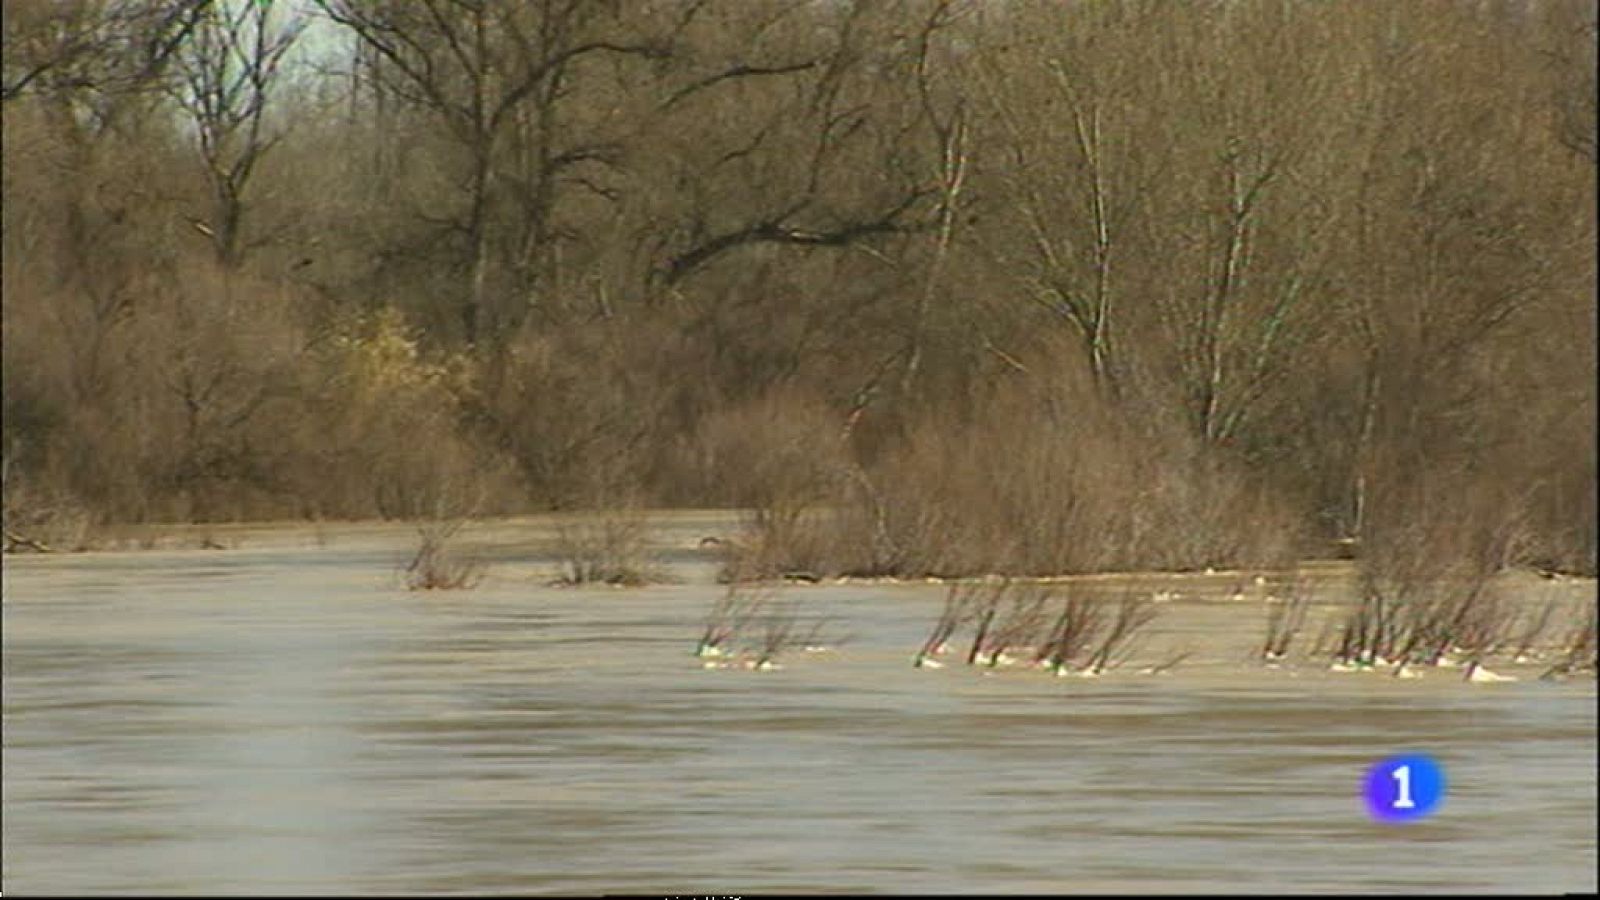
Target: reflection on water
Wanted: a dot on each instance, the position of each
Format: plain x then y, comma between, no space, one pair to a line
287,720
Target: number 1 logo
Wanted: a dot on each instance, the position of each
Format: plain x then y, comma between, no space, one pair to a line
1403,788
1403,800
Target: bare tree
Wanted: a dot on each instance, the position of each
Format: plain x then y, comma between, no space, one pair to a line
1074,285
101,47
951,133
478,66
229,67
828,142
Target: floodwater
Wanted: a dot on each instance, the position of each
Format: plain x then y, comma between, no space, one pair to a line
284,717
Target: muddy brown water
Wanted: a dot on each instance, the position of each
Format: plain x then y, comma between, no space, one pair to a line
282,717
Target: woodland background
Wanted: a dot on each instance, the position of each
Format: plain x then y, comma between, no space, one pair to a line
933,286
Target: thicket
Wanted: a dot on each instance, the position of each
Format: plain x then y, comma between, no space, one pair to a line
933,286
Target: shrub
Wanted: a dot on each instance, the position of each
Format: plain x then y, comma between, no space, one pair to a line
436,566
609,547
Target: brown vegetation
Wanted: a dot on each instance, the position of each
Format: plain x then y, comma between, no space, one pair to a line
610,549
931,286
436,565
750,629
957,609
1089,634
1430,597
1580,647
1285,618
727,619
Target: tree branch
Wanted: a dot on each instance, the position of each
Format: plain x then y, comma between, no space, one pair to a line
775,232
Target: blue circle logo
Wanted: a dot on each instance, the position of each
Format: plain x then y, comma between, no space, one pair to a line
1404,788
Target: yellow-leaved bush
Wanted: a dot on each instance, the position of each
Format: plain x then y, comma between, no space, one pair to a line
392,417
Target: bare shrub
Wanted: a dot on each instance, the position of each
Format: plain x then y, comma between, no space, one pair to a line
1020,488
727,618
392,443
781,631
40,519
780,455
957,609
1580,650
436,565
1169,663
986,607
1285,619
1365,631
1134,613
1426,626
608,547
1090,492
1073,633
1022,622
786,542
581,410
1426,579
763,628
1530,628
1478,626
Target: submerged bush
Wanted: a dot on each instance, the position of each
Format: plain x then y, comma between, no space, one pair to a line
1065,634
605,548
437,566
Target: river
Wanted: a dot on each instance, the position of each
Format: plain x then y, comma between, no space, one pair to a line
283,717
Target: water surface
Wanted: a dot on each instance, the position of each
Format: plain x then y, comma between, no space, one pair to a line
284,717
